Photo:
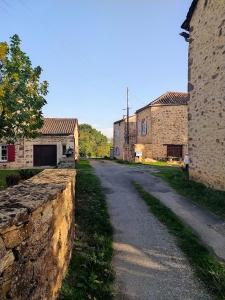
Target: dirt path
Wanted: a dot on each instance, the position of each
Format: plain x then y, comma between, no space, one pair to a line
147,261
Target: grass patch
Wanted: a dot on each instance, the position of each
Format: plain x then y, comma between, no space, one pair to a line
90,274
207,267
152,163
5,173
211,199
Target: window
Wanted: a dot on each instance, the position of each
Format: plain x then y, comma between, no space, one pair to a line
3,153
144,127
139,127
64,149
117,151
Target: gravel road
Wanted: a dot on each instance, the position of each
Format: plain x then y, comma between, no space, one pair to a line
147,262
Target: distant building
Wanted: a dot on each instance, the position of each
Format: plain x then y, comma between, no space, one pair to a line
162,128
123,150
57,137
205,23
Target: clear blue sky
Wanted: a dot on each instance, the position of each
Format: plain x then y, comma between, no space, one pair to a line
91,50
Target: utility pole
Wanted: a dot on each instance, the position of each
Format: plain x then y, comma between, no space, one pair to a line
128,112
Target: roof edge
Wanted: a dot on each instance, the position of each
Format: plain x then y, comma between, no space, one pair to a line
152,103
119,121
122,120
186,23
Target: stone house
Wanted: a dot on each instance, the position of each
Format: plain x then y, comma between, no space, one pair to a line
205,31
122,150
162,128
48,149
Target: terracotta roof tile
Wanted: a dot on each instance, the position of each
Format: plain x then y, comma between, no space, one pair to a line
169,98
172,98
58,126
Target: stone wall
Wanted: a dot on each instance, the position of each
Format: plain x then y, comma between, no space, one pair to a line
118,139
169,127
144,115
207,93
166,125
36,235
121,149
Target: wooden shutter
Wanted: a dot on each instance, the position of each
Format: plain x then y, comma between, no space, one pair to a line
11,153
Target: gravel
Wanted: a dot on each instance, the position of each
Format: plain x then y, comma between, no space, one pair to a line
147,261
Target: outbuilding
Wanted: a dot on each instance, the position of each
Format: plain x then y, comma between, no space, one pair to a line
162,128
58,137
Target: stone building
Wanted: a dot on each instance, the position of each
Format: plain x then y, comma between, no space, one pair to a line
49,149
162,128
205,24
122,150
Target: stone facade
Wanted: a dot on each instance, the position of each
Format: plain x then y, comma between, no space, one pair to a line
206,25
36,235
24,150
121,149
158,127
119,139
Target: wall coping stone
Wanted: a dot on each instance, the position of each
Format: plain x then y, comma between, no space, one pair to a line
19,201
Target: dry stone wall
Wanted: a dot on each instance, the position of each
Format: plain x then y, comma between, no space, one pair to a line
36,235
207,93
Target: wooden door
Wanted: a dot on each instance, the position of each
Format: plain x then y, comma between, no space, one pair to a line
45,155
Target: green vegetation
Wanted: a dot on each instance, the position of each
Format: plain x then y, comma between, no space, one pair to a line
211,199
161,163
22,94
152,163
5,176
207,267
90,274
92,142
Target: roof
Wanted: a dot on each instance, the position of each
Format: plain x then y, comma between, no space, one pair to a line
169,98
58,126
186,24
119,121
122,120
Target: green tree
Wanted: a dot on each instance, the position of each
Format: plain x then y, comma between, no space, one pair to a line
92,142
22,95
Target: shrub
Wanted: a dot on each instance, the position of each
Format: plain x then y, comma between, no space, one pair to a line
12,179
26,174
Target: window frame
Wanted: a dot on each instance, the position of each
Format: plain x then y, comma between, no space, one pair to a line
64,147
5,159
143,127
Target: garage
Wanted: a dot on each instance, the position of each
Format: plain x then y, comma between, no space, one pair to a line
45,155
